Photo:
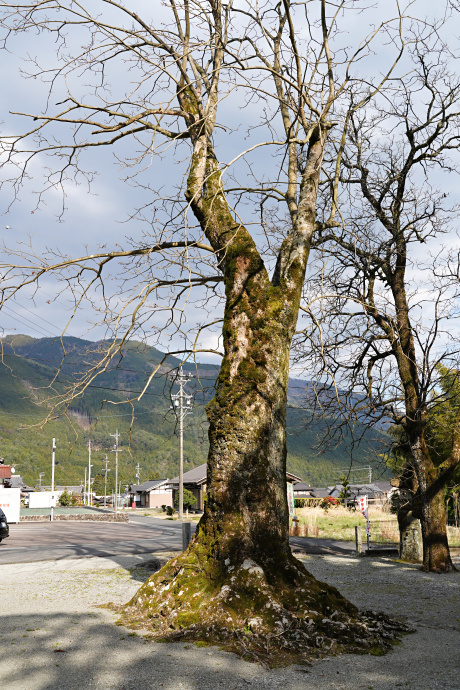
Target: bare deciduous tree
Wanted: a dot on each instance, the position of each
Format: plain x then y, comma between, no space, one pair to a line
392,314
171,78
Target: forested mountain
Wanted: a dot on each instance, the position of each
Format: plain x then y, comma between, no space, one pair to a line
33,371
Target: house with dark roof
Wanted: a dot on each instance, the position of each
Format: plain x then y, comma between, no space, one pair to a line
372,491
320,492
303,490
151,494
195,481
386,488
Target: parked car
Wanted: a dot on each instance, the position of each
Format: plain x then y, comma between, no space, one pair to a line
4,529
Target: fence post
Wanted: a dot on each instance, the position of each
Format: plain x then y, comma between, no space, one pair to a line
186,534
359,543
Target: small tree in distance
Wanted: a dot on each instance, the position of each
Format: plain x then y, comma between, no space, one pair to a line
345,494
65,499
188,502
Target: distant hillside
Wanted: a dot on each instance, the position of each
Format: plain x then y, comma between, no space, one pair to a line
35,370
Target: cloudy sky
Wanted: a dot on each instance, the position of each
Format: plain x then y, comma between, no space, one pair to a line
100,216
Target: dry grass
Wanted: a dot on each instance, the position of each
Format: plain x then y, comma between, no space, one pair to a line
339,523
453,534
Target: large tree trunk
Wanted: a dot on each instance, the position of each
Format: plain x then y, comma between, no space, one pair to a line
431,510
436,554
238,583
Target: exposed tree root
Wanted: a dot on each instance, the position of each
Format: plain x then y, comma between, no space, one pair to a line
286,617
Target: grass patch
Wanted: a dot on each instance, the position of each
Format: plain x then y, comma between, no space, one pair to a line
339,523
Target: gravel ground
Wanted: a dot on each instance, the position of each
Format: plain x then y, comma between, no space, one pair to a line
53,636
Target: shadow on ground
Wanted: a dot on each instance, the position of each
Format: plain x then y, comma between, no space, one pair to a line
80,650
75,651
62,640
142,570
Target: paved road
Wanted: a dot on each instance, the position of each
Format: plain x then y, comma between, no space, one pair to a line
328,547
43,541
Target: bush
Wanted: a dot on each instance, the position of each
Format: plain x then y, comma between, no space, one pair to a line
329,502
188,502
65,499
169,510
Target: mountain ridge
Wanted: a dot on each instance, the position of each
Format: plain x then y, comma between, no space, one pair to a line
34,369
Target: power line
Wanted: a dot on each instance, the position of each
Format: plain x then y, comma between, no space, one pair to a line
31,312
116,368
102,388
102,416
19,318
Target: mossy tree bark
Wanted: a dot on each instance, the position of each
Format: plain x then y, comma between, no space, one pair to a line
238,583
430,505
238,575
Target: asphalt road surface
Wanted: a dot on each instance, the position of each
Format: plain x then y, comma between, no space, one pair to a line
43,541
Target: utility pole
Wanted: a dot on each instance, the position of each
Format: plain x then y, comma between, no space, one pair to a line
370,474
89,473
105,481
40,475
116,450
182,405
53,458
138,473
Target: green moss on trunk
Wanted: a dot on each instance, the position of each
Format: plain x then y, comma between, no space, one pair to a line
436,553
238,584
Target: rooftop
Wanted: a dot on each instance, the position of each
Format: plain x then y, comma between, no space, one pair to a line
198,476
148,485
195,476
